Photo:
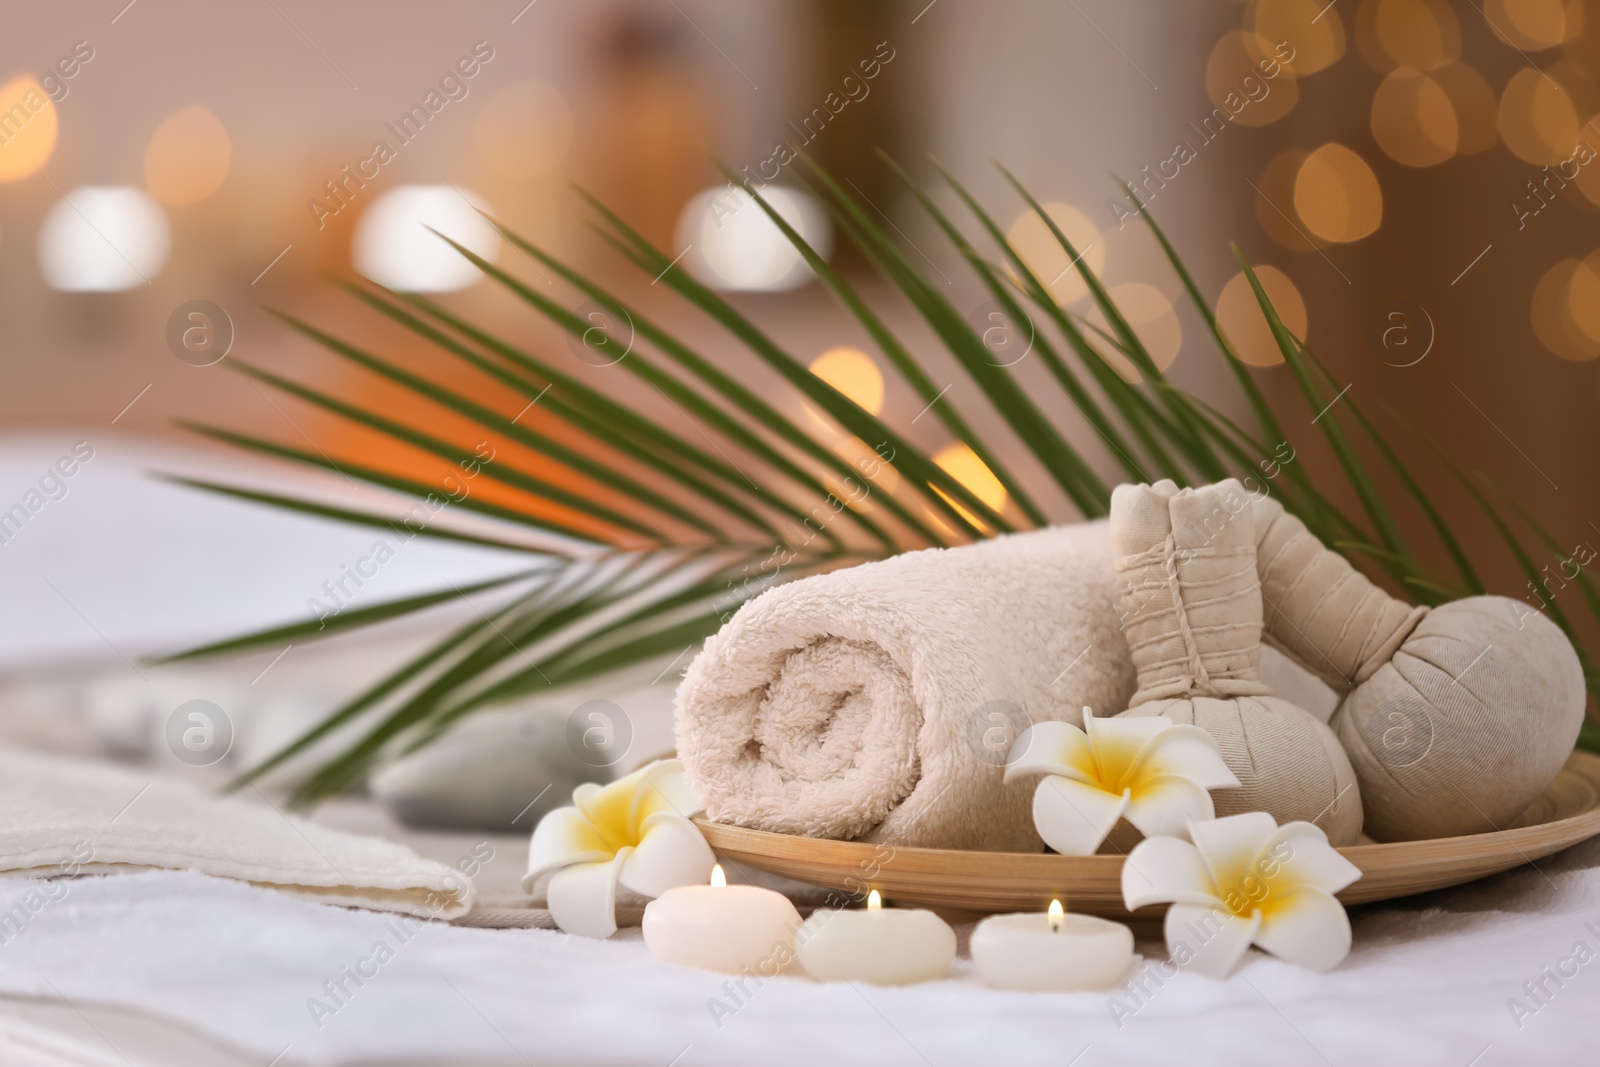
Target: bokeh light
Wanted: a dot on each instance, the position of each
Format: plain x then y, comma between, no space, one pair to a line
870,468
394,244
27,128
1420,34
962,463
1154,321
1047,260
187,157
101,239
1274,202
524,130
1312,27
1588,179
853,373
1242,322
729,242
1552,312
1530,25
1582,46
1579,87
1476,107
1537,119
1413,120
1583,299
1337,195
1237,85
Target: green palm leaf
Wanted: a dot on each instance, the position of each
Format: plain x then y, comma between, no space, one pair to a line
731,507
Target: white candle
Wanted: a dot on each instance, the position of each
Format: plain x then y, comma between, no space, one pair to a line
883,946
1052,951
719,927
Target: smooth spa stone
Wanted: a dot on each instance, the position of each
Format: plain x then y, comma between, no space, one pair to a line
1023,952
882,946
736,929
483,773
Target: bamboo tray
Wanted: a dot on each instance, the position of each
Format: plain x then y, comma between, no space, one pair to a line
976,883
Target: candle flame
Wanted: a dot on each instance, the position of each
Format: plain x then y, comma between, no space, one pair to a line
874,901
717,877
1057,914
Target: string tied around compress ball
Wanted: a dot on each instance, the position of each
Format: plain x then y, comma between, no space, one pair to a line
1191,614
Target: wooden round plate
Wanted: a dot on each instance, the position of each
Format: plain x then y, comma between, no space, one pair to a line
984,882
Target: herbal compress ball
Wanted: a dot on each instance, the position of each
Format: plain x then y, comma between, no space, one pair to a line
1454,719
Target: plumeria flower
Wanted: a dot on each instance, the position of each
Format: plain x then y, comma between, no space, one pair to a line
1245,880
1147,769
634,832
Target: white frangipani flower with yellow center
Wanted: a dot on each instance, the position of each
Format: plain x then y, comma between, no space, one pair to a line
634,832
1245,880
1149,770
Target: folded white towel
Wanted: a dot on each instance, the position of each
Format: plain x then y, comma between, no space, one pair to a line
879,702
63,816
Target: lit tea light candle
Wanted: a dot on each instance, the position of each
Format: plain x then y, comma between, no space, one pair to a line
720,927
883,946
1051,951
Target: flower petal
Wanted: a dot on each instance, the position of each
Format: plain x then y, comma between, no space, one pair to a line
1307,858
1187,751
660,787
671,852
1231,845
1208,939
1120,739
1058,748
1164,807
562,838
607,808
1073,818
583,898
1306,927
1163,870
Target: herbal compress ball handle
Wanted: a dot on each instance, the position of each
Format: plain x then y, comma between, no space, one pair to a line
1455,719
1190,609
1318,609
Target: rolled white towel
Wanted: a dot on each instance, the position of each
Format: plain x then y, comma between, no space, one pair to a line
879,702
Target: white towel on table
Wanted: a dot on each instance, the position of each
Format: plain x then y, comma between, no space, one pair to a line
862,703
64,816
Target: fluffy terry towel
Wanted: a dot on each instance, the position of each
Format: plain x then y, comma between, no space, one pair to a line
880,702
61,816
